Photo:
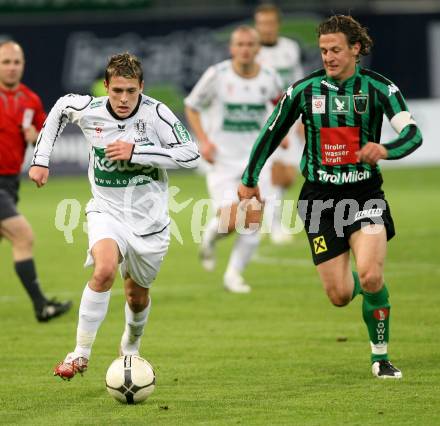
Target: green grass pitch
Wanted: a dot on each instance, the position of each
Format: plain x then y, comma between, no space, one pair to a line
272,357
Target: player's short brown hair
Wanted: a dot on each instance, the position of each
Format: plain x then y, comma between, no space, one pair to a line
246,29
352,29
268,8
124,65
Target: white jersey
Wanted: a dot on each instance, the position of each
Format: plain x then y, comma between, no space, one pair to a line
133,191
237,107
285,57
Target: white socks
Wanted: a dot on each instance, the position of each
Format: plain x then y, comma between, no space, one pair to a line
134,329
277,209
92,311
244,247
211,233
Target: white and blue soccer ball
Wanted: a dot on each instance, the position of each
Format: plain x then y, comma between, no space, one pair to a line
130,379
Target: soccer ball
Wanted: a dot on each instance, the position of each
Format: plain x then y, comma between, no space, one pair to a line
130,379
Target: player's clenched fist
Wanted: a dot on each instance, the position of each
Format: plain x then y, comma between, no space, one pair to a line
39,175
371,153
119,150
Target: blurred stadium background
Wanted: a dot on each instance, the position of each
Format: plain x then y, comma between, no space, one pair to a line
68,42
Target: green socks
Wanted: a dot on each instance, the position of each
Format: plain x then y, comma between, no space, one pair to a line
376,314
357,285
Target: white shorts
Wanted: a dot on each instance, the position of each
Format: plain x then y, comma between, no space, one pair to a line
140,257
223,186
292,155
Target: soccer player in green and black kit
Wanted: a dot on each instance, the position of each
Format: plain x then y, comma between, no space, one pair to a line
341,203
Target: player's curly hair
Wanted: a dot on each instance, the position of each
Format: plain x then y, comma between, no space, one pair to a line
124,65
352,29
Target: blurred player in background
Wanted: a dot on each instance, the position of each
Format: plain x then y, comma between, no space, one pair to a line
21,118
236,95
284,55
132,140
342,203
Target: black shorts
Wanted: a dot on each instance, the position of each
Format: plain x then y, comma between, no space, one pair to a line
332,213
9,186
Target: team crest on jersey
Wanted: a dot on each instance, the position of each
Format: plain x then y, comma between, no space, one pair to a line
360,103
340,104
140,126
318,104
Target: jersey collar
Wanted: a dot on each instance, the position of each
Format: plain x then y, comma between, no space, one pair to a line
346,83
116,116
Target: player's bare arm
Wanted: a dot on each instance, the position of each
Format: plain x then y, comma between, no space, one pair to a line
371,153
119,150
39,175
285,143
207,148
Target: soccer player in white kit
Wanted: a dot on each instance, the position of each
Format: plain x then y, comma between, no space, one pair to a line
132,139
284,55
237,96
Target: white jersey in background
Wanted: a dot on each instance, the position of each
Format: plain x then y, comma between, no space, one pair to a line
133,191
285,57
237,108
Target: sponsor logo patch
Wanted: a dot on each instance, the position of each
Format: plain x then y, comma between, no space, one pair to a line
339,145
367,214
381,314
318,104
329,85
344,177
98,133
181,133
96,104
319,244
340,104
392,88
120,173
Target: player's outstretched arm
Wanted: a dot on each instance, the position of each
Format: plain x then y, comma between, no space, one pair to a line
67,109
39,175
207,148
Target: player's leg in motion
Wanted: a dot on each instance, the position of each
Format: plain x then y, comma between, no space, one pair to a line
19,232
283,177
210,237
93,308
369,247
137,309
247,241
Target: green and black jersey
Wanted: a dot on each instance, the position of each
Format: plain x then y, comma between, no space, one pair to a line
339,119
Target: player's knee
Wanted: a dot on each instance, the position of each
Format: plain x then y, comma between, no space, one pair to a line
137,302
339,299
104,275
371,279
23,240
